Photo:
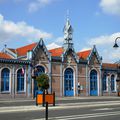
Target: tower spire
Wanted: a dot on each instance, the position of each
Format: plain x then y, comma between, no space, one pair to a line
68,31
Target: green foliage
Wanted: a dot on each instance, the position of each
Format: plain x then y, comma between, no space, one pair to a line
42,81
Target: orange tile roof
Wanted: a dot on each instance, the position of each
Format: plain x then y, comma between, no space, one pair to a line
56,52
84,54
22,51
4,56
109,65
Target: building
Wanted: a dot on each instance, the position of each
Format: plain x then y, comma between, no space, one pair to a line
70,73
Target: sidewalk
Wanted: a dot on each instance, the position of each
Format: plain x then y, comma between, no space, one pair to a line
60,98
58,106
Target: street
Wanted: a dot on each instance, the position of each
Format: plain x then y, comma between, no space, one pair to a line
78,109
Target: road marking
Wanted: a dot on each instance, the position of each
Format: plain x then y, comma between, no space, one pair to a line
83,116
103,109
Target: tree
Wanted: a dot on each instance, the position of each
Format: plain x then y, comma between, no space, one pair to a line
42,81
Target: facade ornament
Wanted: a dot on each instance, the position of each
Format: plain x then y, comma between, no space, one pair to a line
69,60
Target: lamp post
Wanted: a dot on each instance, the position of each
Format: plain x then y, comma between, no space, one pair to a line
116,45
118,68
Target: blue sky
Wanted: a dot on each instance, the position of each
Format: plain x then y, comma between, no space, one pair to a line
94,22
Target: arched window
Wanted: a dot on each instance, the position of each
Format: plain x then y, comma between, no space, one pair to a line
39,70
5,76
112,83
104,82
20,80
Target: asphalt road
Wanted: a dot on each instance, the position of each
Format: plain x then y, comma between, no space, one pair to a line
106,112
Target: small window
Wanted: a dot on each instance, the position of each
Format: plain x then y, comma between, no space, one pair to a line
112,83
104,83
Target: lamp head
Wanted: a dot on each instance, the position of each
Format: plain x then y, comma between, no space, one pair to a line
115,45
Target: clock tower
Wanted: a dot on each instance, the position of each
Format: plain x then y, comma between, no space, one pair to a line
68,34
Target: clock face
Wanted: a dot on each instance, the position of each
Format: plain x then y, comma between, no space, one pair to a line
70,35
66,35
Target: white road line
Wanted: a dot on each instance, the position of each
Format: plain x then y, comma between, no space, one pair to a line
103,109
74,117
105,102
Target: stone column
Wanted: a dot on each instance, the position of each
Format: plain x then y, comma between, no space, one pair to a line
29,81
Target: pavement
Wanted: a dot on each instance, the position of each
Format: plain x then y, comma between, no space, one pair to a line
20,105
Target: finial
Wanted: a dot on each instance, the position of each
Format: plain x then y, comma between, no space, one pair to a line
5,45
68,12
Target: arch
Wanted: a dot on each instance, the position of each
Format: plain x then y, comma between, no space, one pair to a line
39,69
112,82
5,79
93,83
20,80
68,82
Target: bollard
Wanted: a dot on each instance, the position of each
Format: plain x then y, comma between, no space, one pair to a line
46,114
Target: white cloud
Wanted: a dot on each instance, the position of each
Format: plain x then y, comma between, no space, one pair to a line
10,31
110,6
52,46
37,4
103,40
105,48
84,49
59,40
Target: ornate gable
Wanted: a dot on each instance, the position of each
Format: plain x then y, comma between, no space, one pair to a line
69,54
94,57
41,52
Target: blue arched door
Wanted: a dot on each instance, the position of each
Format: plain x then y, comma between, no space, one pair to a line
93,83
38,71
5,79
68,82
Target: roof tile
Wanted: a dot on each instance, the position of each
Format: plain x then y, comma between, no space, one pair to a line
109,65
4,56
22,51
84,54
56,52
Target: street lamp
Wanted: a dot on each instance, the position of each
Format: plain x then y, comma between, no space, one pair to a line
116,45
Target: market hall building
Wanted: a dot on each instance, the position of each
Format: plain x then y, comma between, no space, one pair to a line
71,73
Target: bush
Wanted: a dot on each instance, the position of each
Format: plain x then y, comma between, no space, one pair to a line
42,82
